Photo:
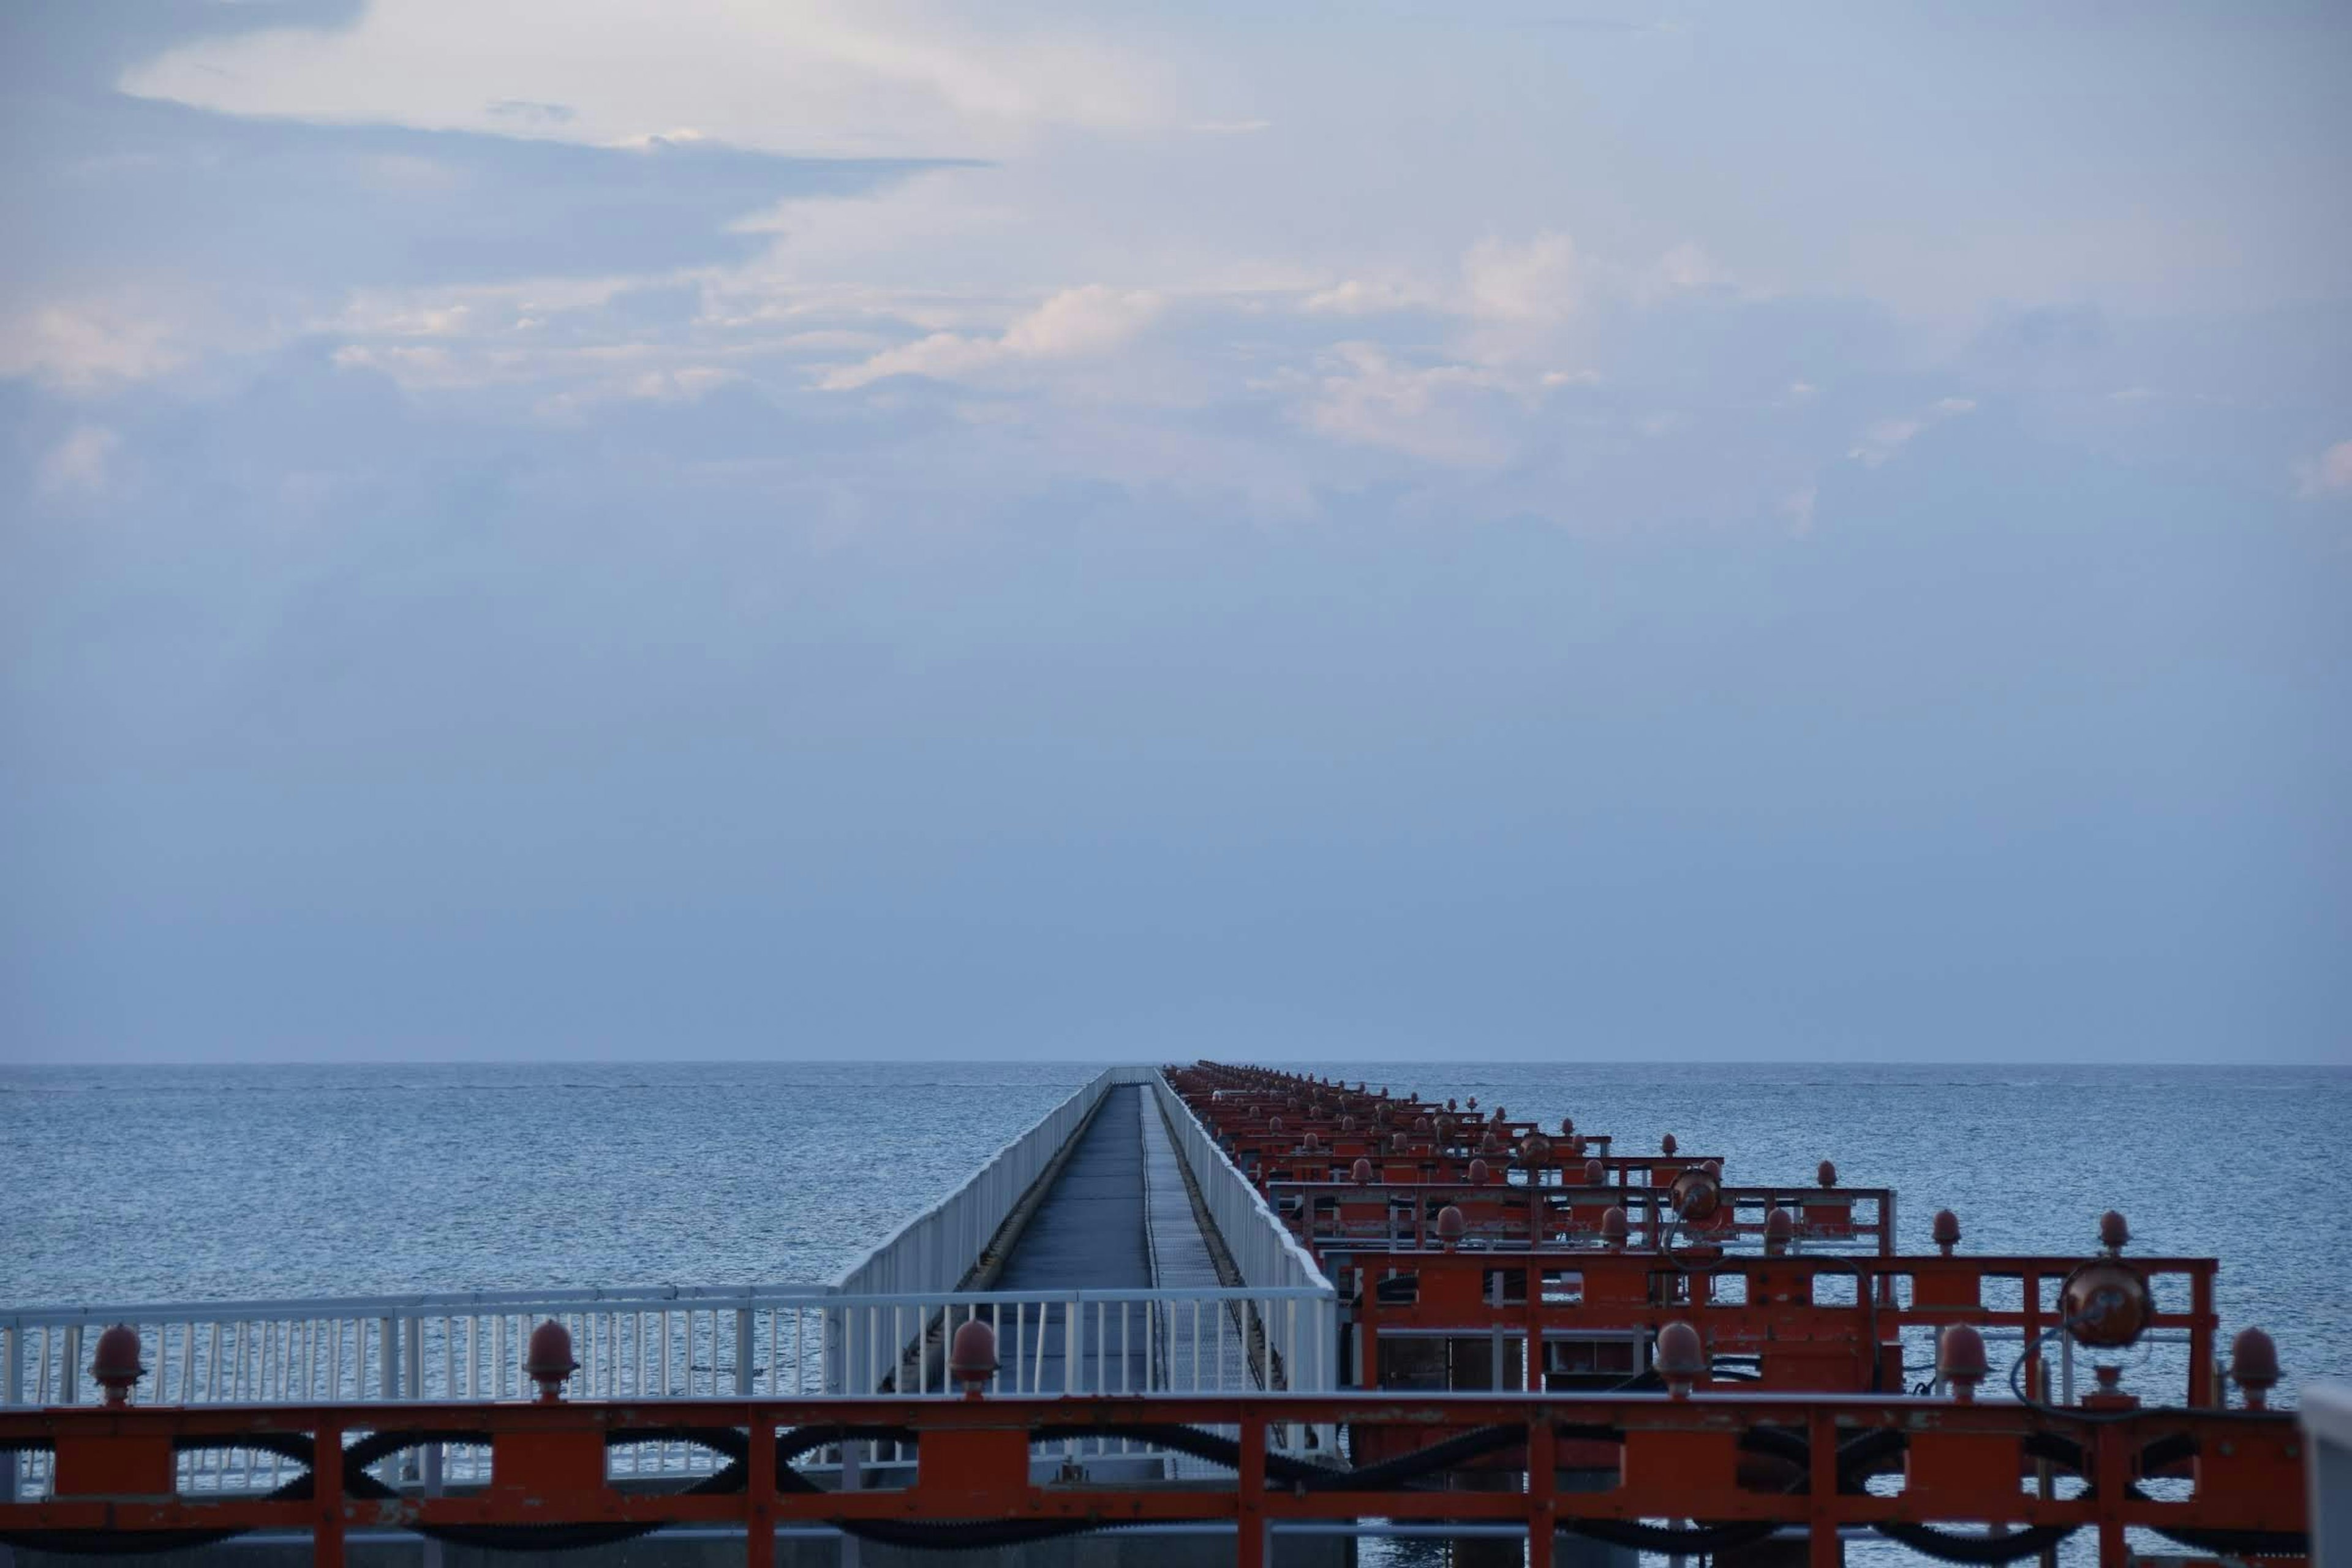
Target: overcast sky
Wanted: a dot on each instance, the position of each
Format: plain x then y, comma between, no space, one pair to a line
1387,528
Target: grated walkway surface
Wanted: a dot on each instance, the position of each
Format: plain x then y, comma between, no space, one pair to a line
1088,1235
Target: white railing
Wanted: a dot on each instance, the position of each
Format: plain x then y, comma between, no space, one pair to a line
933,1251
884,1327
800,1342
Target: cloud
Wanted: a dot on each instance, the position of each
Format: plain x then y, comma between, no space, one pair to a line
84,344
81,463
1229,127
1363,297
1538,283
1684,270
1884,440
2329,474
531,114
835,75
1365,398
1076,323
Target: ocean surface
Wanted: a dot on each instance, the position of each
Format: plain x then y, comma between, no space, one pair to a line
129,1185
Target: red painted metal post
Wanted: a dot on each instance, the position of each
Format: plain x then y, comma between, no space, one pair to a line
2111,1474
1543,1480
760,1496
327,1492
1251,1512
1823,1548
2202,1393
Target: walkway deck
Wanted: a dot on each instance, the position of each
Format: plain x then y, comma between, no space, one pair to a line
1117,1218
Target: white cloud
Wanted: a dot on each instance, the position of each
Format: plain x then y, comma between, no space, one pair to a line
81,463
1684,270
1365,398
1229,127
1884,440
1538,283
1076,323
822,76
1363,297
2329,474
84,344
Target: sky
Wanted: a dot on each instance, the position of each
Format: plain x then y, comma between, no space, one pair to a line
1395,528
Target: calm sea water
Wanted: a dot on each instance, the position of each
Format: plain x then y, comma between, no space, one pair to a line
147,1183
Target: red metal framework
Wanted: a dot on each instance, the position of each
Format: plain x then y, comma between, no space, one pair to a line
1740,1462
1769,1308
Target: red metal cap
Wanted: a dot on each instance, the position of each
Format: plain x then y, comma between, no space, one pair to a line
971,1356
1489,1144
1309,1141
1960,1360
1535,1148
1667,1144
1274,1124
1420,1125
2254,1366
1472,1102
1826,1174
1613,1227
1596,1174
1568,1126
548,1360
2112,1232
1948,1230
1450,1105
1681,1356
1477,1172
115,1363
1451,1225
1362,1171
1779,1229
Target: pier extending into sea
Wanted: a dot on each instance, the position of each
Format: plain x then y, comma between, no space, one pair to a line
1221,1311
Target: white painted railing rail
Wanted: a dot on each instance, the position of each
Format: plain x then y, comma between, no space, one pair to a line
933,1251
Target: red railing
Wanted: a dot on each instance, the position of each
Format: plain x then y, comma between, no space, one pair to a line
1744,1464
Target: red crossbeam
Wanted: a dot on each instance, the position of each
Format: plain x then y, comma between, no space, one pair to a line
1677,1459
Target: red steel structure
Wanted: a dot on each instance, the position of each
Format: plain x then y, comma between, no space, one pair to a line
1544,1332
1678,1456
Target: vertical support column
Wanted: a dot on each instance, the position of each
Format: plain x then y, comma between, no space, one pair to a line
1543,1481
743,1352
2111,1470
12,1393
1250,1544
1823,1548
850,1547
760,1494
327,1493
387,1336
2203,1388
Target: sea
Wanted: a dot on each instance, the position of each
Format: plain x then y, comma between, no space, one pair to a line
130,1184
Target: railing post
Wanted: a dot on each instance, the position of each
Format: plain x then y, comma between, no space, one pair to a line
327,1470
743,1353
1251,1547
760,1516
387,1333
12,1393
